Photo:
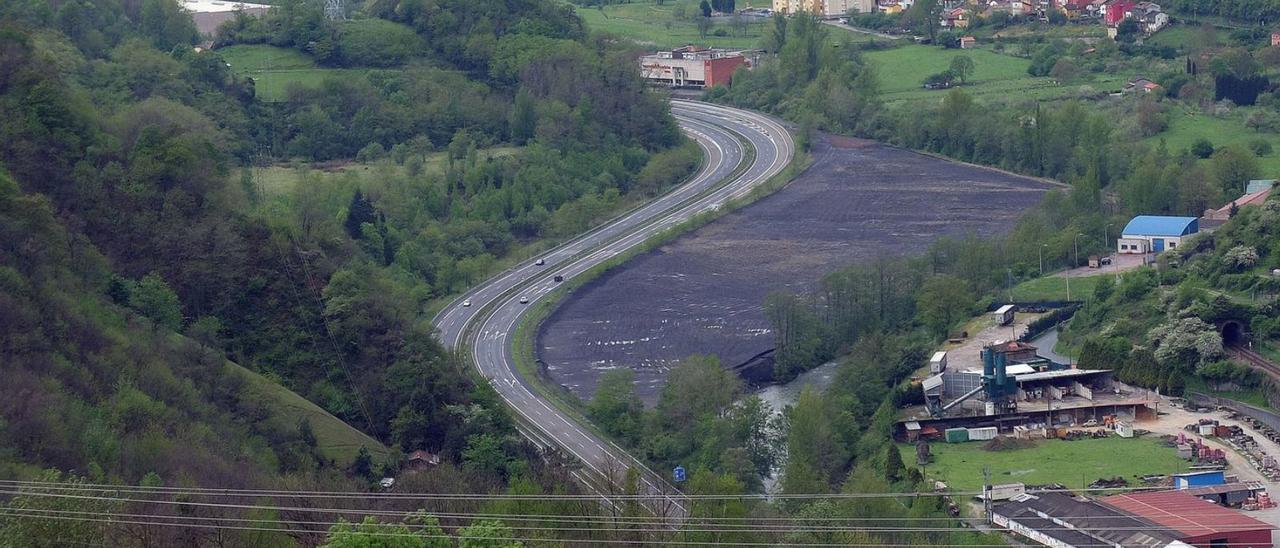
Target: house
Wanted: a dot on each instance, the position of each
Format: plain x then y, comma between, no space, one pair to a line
890,7
967,42
956,18
1149,16
1114,11
1275,39
1142,85
1155,233
421,460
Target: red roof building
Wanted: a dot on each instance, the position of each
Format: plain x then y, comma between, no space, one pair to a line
1203,523
1116,11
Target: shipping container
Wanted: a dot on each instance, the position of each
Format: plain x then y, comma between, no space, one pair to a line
1207,429
938,363
1004,314
982,434
957,435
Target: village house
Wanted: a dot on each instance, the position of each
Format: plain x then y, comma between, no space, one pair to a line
956,18
1141,85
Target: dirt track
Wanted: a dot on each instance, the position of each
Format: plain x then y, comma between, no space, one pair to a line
703,293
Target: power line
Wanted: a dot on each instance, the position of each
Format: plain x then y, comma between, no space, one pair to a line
251,493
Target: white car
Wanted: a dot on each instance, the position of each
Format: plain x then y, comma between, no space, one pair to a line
466,303
524,300
540,262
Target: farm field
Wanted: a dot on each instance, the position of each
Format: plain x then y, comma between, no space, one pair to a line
1188,125
657,26
274,69
704,292
997,76
1071,463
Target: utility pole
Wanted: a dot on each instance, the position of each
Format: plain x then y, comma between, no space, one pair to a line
986,492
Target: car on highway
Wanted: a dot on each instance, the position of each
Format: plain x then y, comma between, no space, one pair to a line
466,303
540,262
524,300
559,278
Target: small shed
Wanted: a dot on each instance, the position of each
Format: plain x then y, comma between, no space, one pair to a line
1124,429
938,363
1004,314
913,430
1205,478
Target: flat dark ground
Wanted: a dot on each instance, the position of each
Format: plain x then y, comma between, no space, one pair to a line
704,292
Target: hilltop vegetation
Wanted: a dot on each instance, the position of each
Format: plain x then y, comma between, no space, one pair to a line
136,215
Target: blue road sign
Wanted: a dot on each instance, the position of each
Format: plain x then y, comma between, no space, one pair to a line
679,473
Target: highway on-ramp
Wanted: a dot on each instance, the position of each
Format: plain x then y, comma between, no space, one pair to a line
743,150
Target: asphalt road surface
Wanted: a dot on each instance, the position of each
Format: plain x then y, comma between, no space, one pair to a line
486,326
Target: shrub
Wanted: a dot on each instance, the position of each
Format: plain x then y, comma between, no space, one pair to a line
1261,147
1202,148
371,152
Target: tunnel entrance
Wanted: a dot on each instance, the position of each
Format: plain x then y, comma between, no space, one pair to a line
1232,334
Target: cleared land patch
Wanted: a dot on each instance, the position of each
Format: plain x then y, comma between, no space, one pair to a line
274,69
703,293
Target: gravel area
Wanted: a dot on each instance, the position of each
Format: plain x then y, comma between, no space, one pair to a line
703,293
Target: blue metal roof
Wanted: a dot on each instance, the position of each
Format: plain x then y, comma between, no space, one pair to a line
1158,225
1258,185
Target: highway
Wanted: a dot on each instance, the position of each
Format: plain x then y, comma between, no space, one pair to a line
743,150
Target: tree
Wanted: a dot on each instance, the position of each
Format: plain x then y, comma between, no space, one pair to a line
487,533
1128,31
1233,166
419,530
360,211
813,447
1202,148
893,467
962,66
703,24
942,301
923,16
615,406
153,298
705,8
362,466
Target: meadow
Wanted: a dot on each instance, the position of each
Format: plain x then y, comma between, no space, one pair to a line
274,69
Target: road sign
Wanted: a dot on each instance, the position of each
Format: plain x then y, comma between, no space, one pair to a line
679,474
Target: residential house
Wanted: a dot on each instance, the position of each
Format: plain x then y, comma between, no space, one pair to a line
1275,38
421,460
956,18
967,42
1141,85
1255,195
1115,11
1015,8
890,6
1149,16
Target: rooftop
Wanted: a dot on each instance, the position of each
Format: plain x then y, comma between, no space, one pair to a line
1088,520
1259,185
1060,374
1185,513
1159,225
218,6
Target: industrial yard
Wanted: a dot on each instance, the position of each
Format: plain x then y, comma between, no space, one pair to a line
703,293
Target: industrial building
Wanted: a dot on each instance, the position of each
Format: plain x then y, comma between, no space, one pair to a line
209,14
1196,521
1155,233
1017,392
824,8
1149,519
691,67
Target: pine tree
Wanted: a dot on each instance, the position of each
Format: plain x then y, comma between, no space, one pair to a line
893,466
360,212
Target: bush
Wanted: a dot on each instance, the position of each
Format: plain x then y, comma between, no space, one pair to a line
1261,147
371,152
1202,148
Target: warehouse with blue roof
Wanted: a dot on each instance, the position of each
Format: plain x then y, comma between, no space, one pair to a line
1155,233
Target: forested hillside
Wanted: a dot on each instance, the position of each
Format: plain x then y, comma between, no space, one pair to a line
134,198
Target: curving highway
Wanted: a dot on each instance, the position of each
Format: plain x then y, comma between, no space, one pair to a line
743,150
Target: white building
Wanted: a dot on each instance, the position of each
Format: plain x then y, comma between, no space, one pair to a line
209,14
1155,233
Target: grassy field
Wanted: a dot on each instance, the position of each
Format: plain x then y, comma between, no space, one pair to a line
997,76
337,440
274,69
1071,463
1053,288
279,180
1186,125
